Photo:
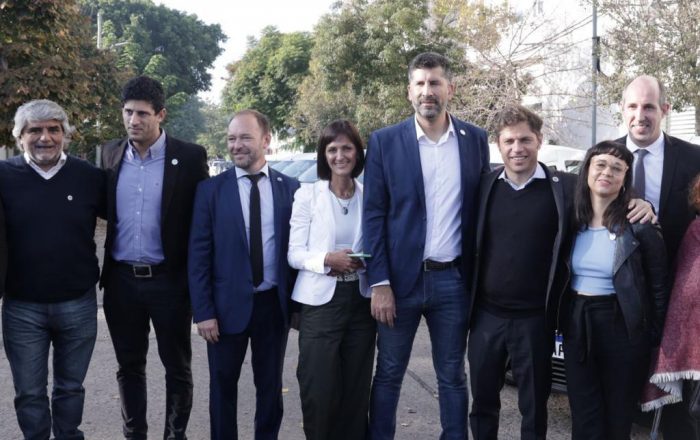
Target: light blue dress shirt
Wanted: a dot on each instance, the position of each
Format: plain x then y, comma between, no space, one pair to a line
139,197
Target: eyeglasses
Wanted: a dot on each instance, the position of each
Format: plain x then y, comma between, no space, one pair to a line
615,169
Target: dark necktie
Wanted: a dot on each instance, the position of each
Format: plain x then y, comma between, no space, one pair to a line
256,242
639,176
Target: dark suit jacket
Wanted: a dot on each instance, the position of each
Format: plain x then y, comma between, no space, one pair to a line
681,165
3,251
185,166
220,274
394,219
563,187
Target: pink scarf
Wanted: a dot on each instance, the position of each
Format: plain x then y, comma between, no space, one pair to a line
678,356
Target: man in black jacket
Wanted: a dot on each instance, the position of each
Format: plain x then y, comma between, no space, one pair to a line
151,181
523,227
664,167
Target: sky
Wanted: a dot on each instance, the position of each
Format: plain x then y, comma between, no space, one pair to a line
240,19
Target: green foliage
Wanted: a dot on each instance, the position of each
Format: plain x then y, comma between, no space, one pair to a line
174,47
213,137
184,119
47,52
268,76
361,53
666,37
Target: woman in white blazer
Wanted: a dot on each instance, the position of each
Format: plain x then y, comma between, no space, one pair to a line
336,330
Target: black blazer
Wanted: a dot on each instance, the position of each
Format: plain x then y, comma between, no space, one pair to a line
563,185
3,251
681,165
185,166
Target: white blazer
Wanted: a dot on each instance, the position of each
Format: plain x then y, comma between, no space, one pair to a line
311,237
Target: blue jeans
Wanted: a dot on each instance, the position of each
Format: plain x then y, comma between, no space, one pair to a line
28,329
441,297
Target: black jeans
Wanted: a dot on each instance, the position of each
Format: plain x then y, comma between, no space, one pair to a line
131,305
605,369
336,354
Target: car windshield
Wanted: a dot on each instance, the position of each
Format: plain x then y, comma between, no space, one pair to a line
309,176
297,167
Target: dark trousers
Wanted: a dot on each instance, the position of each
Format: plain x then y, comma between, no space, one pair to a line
528,343
131,305
676,422
268,340
605,369
336,354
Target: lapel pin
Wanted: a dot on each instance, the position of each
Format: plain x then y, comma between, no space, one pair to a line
174,162
70,198
279,179
555,179
462,132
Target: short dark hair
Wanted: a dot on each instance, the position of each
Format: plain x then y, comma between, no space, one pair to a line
430,60
144,88
328,135
615,216
513,114
263,121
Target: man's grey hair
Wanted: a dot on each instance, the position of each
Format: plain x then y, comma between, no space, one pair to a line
662,89
40,110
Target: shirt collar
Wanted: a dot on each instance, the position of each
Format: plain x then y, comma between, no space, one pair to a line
155,151
538,174
240,172
655,148
61,161
420,134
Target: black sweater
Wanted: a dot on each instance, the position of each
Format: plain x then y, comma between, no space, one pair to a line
517,252
50,229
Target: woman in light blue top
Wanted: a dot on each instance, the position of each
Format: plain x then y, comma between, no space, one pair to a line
613,313
336,331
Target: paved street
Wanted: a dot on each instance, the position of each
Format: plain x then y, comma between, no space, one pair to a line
417,418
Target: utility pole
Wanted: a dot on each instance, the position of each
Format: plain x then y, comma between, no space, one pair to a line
98,148
595,46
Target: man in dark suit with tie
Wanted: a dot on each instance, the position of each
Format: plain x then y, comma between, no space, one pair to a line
421,184
664,167
152,178
240,282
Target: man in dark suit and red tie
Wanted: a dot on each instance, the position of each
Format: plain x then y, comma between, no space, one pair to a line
240,282
421,184
664,167
151,181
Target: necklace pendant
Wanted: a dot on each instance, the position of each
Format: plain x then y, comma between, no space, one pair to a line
345,210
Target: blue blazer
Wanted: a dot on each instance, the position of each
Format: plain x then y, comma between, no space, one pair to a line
220,275
394,220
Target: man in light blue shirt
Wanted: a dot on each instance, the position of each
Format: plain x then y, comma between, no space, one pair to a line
151,182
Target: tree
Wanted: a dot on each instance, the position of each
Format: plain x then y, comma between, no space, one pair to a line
47,52
172,46
359,64
268,76
659,38
213,137
185,119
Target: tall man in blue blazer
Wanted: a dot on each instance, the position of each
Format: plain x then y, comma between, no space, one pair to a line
421,184
240,282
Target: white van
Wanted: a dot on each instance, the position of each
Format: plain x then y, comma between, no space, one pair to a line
556,157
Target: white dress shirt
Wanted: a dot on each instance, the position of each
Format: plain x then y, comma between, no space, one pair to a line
267,216
653,169
538,174
51,171
443,194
